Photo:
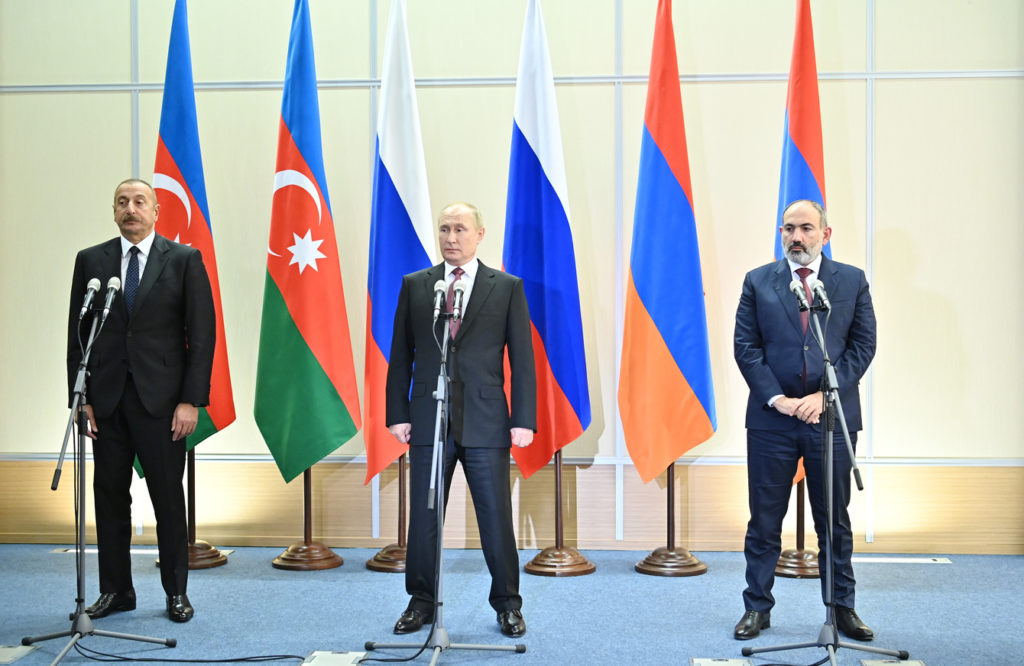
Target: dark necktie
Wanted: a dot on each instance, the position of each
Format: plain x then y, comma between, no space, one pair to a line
449,307
805,316
131,279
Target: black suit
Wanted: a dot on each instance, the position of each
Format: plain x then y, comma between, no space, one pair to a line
777,358
141,367
496,318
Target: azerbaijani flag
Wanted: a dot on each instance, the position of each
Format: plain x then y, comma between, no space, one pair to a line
666,398
184,214
539,249
401,229
306,399
803,161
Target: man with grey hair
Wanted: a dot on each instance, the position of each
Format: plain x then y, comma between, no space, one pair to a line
783,367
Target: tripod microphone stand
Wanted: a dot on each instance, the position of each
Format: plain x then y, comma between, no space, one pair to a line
81,623
438,640
828,637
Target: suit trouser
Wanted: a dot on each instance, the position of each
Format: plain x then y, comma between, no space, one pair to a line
771,465
128,432
487,474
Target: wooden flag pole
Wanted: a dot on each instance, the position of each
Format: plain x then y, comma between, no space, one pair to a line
307,555
201,555
798,562
671,561
391,558
558,560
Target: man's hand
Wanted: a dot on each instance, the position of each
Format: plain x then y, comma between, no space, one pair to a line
521,437
401,431
184,421
91,432
807,409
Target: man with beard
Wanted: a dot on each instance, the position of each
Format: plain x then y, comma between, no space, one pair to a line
783,367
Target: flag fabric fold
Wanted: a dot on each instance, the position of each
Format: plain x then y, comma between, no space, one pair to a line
539,248
307,404
184,213
401,229
803,161
666,398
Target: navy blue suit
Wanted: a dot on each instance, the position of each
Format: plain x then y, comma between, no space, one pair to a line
777,358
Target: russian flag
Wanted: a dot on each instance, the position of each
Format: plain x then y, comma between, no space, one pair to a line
401,229
666,398
803,161
184,214
539,249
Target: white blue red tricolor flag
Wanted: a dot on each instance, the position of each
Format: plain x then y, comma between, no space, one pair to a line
803,161
307,403
666,397
538,248
401,229
184,213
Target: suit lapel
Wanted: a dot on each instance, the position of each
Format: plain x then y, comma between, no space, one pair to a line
155,263
483,285
782,278
829,276
112,267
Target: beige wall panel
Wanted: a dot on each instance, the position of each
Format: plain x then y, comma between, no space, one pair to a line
57,42
247,40
949,35
738,36
467,38
949,161
56,154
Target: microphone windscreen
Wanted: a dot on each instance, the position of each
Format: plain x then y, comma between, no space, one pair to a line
114,283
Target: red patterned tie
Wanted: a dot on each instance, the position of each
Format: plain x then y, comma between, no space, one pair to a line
449,306
805,316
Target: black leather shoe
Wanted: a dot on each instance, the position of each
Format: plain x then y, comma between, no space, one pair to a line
412,620
112,602
751,624
851,625
512,622
179,609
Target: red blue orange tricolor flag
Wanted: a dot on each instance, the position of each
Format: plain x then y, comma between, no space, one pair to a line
184,213
307,404
803,161
666,397
401,229
538,248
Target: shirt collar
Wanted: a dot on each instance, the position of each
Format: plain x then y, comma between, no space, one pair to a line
815,265
470,268
144,245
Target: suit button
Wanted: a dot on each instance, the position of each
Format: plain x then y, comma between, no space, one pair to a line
806,347
129,334
454,349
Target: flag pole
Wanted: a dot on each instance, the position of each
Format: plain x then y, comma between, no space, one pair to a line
201,554
307,555
798,562
391,558
669,560
558,560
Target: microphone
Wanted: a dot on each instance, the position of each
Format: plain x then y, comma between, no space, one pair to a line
818,287
113,285
801,297
439,291
460,293
90,293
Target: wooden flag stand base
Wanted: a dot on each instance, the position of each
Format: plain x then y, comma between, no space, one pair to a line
671,561
798,562
201,555
391,558
307,555
558,560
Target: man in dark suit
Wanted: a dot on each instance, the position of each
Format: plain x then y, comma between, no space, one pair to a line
481,427
149,372
783,366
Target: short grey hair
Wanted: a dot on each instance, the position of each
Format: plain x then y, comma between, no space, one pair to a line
478,219
822,215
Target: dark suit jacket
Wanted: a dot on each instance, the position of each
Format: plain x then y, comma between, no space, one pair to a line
497,316
167,343
771,349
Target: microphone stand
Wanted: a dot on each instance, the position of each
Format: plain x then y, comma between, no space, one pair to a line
828,637
438,640
81,623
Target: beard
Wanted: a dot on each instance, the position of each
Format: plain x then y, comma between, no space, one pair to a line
802,254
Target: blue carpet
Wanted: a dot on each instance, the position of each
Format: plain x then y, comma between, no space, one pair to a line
943,614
